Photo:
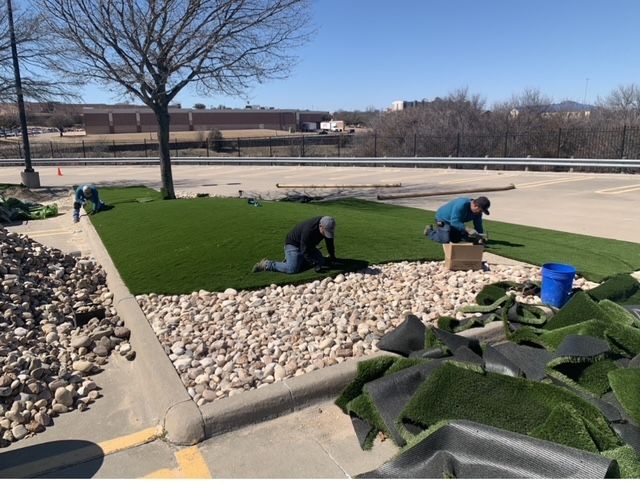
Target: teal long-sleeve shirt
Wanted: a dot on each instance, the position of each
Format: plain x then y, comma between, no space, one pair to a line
95,198
457,212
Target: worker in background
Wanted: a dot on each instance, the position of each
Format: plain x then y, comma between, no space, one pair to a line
451,217
86,193
300,249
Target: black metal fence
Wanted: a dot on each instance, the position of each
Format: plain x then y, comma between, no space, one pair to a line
615,143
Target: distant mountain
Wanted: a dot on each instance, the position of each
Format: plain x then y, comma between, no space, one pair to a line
568,107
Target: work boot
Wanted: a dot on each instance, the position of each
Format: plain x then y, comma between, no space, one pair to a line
261,266
76,219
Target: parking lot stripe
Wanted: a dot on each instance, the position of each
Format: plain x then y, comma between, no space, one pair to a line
191,465
618,190
129,441
477,178
84,454
553,182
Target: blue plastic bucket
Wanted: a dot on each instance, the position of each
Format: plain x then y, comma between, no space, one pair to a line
557,281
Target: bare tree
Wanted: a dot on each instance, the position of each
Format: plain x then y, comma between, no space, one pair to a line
60,121
32,51
622,105
152,49
9,120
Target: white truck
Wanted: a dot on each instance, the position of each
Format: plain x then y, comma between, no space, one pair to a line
332,126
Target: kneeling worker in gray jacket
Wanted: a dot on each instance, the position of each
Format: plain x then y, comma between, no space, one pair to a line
300,249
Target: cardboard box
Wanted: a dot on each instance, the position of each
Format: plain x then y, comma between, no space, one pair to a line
462,257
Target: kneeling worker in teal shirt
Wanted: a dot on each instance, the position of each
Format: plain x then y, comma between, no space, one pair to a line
451,217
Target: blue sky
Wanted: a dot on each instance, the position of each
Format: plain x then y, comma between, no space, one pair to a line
373,52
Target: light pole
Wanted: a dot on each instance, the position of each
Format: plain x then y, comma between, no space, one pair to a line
29,177
586,86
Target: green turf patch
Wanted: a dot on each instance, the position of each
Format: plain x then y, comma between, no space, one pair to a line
181,246
592,256
565,426
492,293
354,400
581,307
622,289
618,313
118,196
367,370
624,339
588,375
505,402
627,459
625,383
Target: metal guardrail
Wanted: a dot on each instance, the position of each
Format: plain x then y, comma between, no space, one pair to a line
486,163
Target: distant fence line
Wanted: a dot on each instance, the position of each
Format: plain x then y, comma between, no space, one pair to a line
616,143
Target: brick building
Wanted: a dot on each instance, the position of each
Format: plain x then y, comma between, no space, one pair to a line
142,120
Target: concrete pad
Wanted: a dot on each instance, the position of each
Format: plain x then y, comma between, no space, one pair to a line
121,410
318,442
132,464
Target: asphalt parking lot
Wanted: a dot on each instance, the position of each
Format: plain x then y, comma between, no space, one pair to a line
603,205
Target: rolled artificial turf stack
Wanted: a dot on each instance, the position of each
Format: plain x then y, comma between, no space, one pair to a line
505,402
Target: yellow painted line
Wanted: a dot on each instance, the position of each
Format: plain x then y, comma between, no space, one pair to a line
476,178
191,465
84,454
553,182
618,190
162,474
130,441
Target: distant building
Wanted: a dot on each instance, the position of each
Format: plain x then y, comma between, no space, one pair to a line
140,119
401,105
567,109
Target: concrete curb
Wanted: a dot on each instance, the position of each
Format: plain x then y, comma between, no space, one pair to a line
183,421
165,394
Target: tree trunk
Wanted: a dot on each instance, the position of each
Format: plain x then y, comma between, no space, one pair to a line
164,121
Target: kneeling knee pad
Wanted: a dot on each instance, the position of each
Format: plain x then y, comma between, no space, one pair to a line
77,205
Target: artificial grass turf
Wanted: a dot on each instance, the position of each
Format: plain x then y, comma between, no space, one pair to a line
589,375
565,426
621,289
623,339
581,307
501,401
181,246
625,383
367,370
595,258
627,459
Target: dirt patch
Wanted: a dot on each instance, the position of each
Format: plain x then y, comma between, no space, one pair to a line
36,195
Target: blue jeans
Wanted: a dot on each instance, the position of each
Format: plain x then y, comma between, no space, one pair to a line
294,260
445,233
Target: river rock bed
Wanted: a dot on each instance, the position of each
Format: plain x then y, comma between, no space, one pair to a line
45,359
229,342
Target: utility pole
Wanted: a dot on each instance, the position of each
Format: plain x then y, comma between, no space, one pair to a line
30,178
586,86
